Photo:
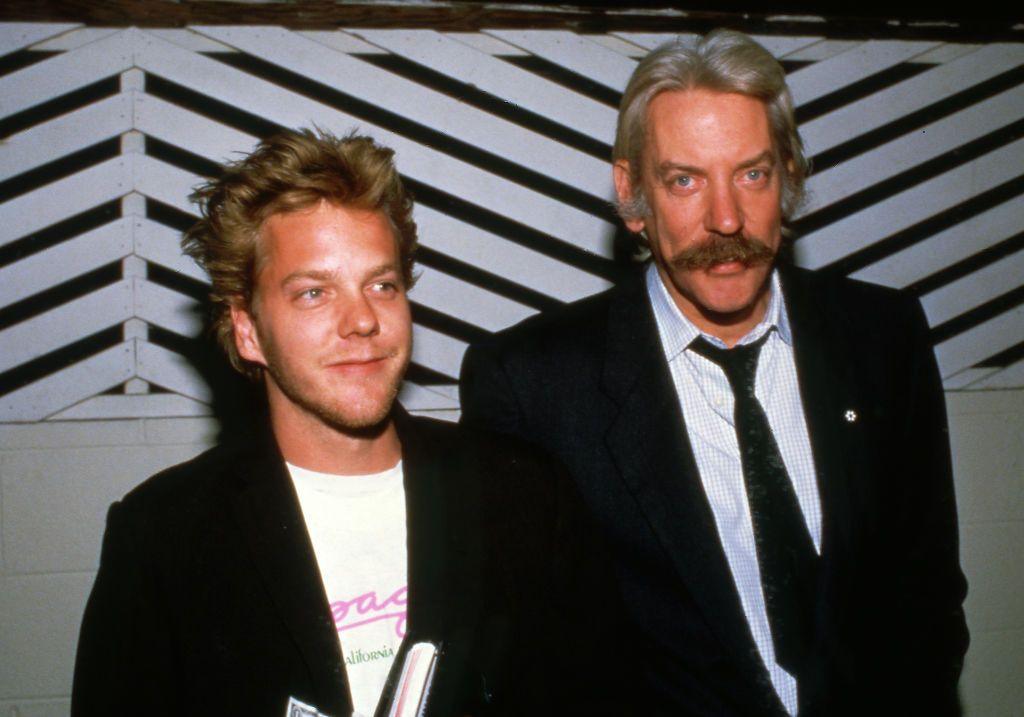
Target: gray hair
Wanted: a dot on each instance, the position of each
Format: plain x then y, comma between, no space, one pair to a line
723,61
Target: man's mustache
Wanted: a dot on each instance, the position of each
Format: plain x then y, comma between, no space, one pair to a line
723,249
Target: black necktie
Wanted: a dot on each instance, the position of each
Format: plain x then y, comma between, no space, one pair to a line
785,551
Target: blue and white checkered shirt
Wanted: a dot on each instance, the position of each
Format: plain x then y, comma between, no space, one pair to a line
706,401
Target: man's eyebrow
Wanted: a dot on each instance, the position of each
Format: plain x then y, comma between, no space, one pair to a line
766,156
314,274
669,166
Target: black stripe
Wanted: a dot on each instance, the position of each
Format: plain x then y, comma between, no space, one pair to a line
1003,359
919,118
848,94
62,358
566,78
960,269
44,301
182,158
933,225
169,216
511,230
909,178
488,102
978,315
59,168
210,107
420,134
447,324
63,104
182,284
21,59
425,376
485,279
59,232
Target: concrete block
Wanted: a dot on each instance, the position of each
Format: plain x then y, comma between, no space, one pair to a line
988,461
67,434
991,558
991,685
35,708
168,431
54,502
39,620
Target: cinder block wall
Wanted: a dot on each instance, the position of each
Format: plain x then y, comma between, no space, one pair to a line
58,479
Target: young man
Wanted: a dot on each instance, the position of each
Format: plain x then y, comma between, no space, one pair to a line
292,571
764,448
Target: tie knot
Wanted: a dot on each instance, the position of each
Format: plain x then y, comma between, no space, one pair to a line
739,362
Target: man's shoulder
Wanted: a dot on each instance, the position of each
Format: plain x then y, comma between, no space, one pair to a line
579,326
188,488
857,300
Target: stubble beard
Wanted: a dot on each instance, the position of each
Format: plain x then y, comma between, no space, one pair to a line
340,414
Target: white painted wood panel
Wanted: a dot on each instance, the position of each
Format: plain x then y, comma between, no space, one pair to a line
65,324
68,133
575,53
852,120
948,247
153,405
501,79
437,351
975,289
159,244
171,371
910,150
16,36
977,344
868,226
448,294
85,379
65,261
166,308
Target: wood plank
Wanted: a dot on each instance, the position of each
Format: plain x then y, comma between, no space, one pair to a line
946,248
442,171
65,324
467,302
575,53
51,394
912,149
171,371
415,397
63,262
152,405
903,98
1010,377
977,344
75,39
963,380
872,224
501,79
16,36
819,51
65,134
863,60
423,105
63,73
183,128
964,294
161,245
38,209
163,307
504,258
437,351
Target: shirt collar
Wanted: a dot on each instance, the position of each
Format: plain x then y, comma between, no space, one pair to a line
677,331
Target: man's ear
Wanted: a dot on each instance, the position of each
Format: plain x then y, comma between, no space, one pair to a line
624,190
247,339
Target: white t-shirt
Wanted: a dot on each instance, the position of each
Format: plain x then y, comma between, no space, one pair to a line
357,527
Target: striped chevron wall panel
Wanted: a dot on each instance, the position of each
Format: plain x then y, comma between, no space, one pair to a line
504,137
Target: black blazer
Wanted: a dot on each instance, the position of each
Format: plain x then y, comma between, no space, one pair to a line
208,598
590,384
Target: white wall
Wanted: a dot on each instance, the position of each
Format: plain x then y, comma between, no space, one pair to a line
58,478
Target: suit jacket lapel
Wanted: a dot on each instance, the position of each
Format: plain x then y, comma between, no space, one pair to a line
267,512
649,445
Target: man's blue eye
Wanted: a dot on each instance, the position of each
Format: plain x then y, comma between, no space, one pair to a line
684,181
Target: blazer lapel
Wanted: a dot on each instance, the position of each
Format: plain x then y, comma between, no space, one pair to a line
267,512
444,538
650,447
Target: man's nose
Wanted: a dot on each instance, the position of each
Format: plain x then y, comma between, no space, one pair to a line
724,215
357,317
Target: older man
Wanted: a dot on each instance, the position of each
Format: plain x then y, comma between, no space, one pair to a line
297,571
765,448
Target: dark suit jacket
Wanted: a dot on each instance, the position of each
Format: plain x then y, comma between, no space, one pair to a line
590,384
208,598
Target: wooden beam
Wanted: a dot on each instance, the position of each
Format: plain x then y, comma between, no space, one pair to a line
585,17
